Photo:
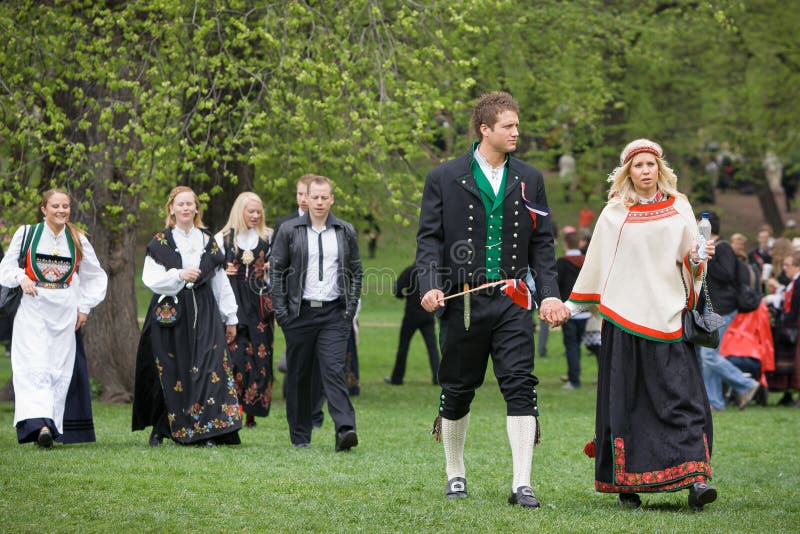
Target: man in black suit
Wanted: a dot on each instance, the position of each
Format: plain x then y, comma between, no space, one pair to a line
302,202
485,218
316,284
415,318
301,196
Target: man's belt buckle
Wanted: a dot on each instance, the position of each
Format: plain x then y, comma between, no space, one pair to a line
315,303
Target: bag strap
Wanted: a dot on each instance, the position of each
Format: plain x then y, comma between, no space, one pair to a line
705,290
27,237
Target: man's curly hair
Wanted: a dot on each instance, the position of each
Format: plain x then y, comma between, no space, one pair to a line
488,107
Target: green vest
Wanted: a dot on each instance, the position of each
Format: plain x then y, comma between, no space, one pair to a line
493,204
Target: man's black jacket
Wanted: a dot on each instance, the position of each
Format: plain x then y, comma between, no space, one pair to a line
288,266
451,239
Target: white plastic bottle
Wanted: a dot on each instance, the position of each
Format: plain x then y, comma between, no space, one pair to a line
703,235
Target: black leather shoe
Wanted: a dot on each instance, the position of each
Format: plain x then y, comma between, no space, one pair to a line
456,488
701,494
155,438
524,497
346,440
631,500
45,439
391,382
301,445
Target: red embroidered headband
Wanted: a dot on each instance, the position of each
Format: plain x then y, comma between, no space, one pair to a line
639,150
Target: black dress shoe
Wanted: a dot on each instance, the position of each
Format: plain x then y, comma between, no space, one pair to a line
301,445
346,440
524,497
391,382
701,494
456,488
45,439
631,500
156,438
250,421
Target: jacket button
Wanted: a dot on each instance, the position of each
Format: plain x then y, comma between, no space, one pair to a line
516,213
470,217
516,202
513,257
469,240
514,245
515,234
470,206
469,274
516,224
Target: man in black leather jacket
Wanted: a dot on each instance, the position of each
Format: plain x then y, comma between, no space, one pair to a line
316,283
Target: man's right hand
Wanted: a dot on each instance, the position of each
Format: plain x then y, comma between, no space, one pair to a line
433,300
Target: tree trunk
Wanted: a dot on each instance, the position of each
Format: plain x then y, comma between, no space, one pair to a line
112,333
770,208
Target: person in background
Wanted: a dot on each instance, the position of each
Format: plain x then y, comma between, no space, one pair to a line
61,282
316,286
723,278
184,384
414,318
653,428
484,218
786,302
761,254
244,241
301,197
568,267
7,322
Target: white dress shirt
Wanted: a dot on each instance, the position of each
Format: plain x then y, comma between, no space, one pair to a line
493,174
326,287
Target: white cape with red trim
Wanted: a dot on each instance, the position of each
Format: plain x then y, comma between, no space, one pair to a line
634,264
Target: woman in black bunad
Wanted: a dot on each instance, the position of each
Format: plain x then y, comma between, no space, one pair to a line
653,430
184,383
61,282
245,244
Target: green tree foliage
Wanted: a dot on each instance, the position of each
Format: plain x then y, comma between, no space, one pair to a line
119,101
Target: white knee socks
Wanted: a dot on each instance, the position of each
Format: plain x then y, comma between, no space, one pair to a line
454,434
521,435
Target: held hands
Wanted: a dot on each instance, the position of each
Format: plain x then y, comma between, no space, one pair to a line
231,269
554,312
711,249
433,300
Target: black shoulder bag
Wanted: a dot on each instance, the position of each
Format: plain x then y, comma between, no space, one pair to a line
701,328
10,297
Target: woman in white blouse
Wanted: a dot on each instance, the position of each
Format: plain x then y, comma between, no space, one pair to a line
184,384
61,282
245,242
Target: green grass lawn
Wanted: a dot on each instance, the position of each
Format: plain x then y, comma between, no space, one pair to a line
394,480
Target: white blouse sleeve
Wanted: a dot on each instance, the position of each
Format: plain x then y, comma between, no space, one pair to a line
160,280
92,279
226,300
10,273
